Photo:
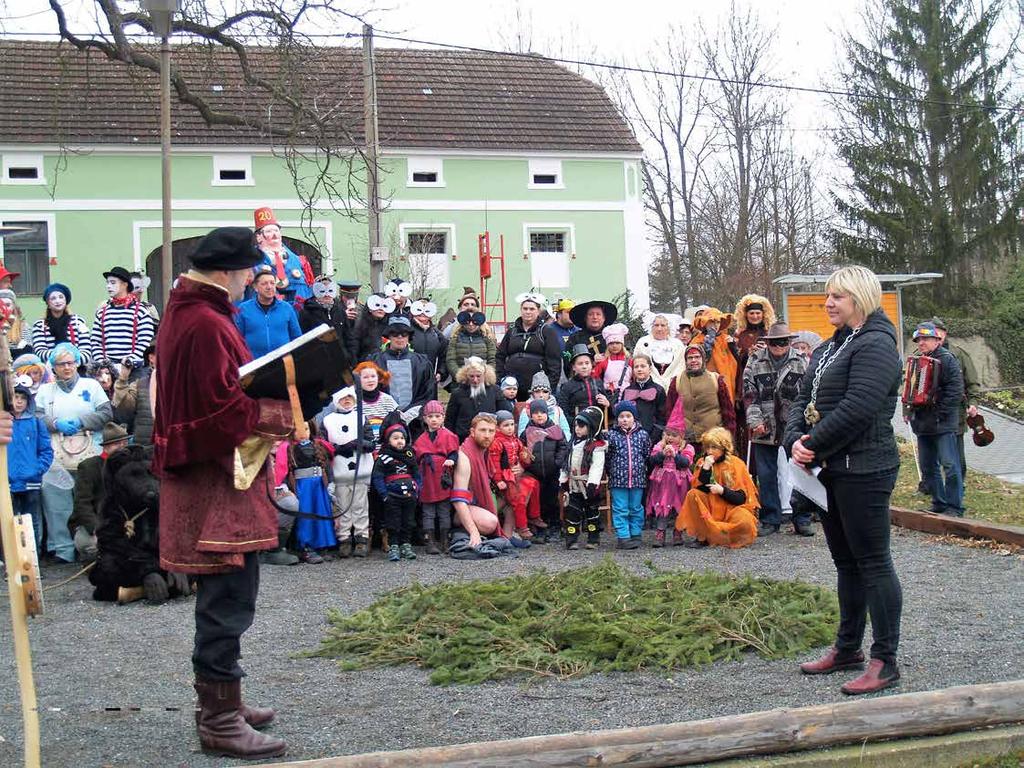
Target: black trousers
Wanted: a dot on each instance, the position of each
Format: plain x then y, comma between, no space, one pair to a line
549,511
225,608
857,528
400,518
582,515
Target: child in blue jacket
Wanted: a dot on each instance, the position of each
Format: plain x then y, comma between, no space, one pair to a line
28,457
629,445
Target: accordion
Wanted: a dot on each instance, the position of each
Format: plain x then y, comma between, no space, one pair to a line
921,381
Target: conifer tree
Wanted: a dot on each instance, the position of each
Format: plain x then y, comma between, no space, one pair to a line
929,144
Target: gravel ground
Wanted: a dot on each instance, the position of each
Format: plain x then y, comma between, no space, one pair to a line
963,623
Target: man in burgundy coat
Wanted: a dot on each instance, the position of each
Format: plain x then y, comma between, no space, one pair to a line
214,517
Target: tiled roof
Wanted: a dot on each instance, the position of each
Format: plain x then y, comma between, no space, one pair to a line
50,93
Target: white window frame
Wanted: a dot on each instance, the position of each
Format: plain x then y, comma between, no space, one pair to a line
424,164
23,160
570,239
443,261
232,162
546,166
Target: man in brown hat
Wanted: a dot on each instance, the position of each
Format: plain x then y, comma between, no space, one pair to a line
89,491
771,382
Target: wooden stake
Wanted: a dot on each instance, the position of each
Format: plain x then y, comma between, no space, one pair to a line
758,733
966,527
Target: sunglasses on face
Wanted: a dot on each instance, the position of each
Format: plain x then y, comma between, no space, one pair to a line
778,343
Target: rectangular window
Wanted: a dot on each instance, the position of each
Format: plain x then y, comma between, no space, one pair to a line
28,252
545,174
428,259
23,169
549,257
425,172
232,171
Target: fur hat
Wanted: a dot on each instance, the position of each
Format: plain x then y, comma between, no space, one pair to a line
743,305
615,332
541,381
592,417
504,415
624,405
538,406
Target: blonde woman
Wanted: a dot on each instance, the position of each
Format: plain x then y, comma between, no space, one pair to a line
841,422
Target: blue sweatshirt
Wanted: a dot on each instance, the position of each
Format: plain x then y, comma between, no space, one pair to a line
30,453
267,329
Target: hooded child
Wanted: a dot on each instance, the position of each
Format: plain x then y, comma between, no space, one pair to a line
515,488
544,455
353,444
670,475
396,478
437,450
581,477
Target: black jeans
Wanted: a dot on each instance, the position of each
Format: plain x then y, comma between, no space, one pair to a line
856,528
399,518
225,608
549,511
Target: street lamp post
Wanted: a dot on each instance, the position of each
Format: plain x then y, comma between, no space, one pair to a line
162,14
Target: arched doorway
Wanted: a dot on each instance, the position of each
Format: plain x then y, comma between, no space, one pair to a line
182,249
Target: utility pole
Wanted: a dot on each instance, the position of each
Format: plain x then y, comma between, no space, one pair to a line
377,256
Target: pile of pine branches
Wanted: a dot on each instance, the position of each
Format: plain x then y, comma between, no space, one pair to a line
572,623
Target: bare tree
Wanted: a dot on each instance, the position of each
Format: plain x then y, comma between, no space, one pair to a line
274,48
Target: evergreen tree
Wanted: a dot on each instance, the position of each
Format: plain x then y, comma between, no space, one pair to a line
665,290
932,155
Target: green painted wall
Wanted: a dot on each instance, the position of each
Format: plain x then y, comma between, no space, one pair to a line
127,188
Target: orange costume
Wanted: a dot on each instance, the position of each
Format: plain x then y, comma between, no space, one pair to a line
722,359
711,518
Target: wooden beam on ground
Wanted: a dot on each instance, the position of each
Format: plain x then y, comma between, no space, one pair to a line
957,526
758,733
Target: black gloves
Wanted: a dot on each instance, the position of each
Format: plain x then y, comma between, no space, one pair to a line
593,491
178,582
156,588
682,461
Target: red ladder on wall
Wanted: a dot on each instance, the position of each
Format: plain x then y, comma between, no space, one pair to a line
486,272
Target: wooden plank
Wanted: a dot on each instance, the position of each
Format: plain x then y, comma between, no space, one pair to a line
957,526
758,733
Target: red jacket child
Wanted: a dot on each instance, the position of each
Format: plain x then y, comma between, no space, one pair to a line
514,486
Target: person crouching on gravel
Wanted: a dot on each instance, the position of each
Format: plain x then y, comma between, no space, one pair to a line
514,487
580,478
437,450
629,445
396,477
719,508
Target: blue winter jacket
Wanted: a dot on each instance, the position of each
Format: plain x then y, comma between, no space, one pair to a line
627,457
30,453
265,331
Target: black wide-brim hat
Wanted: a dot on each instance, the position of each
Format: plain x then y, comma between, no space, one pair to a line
120,273
579,312
227,248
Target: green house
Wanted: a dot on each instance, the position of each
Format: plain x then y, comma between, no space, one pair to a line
518,147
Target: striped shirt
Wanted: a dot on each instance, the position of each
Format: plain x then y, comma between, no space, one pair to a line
122,331
78,334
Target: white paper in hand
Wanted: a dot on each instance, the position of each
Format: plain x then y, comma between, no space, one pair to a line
808,484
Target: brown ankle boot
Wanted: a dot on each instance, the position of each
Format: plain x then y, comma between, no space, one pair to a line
222,728
257,717
877,677
834,660
428,539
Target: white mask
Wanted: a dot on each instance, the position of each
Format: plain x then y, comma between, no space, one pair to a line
57,301
113,286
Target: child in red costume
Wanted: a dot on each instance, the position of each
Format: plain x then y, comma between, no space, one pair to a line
514,486
437,450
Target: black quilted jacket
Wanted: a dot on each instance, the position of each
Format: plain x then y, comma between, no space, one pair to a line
856,400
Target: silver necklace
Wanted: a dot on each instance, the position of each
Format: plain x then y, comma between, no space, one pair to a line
811,415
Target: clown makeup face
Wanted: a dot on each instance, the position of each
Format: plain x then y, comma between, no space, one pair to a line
116,288
434,421
269,238
368,379
595,319
57,303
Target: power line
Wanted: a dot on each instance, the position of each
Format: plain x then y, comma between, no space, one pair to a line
780,86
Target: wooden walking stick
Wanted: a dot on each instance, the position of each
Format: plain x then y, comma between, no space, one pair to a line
23,589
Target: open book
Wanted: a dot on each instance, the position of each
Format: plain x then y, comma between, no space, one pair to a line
321,365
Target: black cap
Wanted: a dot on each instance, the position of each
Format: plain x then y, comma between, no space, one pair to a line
120,273
227,248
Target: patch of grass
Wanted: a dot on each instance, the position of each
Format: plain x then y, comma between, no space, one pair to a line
1007,401
986,498
572,623
1011,760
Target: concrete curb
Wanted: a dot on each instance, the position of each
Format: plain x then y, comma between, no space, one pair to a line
931,752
